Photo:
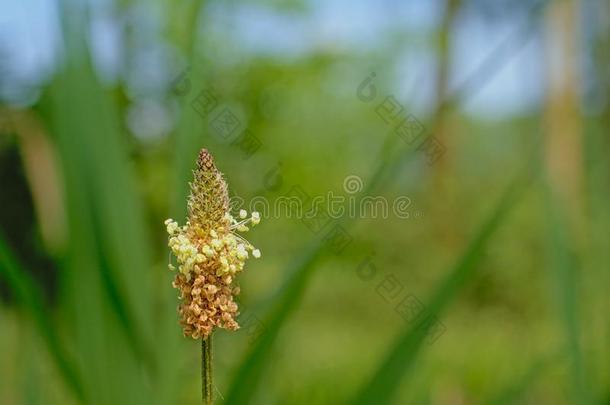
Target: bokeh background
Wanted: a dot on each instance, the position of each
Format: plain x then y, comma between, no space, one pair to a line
494,288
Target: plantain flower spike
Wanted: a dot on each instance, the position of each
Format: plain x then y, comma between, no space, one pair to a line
209,253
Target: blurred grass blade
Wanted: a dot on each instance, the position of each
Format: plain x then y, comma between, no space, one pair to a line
110,185
106,275
249,374
400,358
564,270
191,126
28,295
98,293
515,393
597,264
186,18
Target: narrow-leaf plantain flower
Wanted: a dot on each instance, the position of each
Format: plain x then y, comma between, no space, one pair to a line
209,253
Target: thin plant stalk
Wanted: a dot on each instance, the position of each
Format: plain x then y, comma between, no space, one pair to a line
206,371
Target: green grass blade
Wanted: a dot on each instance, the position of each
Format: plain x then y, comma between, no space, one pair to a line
249,374
104,277
514,393
191,125
189,139
106,294
28,295
597,263
400,358
189,136
107,189
564,266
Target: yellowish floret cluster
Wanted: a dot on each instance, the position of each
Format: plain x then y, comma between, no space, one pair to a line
209,253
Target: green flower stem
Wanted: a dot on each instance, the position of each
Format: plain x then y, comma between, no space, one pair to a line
206,371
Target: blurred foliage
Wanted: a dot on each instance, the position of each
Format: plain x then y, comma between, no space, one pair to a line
93,164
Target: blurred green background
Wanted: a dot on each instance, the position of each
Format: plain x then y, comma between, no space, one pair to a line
495,289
